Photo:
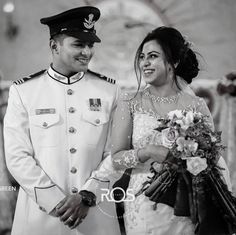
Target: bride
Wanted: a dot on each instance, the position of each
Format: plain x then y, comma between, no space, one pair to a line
166,62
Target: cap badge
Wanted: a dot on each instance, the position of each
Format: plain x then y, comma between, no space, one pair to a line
88,24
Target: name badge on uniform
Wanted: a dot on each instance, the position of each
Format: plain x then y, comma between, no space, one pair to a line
45,111
95,104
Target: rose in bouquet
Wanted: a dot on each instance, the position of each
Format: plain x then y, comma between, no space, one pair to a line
190,180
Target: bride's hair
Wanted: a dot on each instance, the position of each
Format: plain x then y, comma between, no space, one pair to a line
177,51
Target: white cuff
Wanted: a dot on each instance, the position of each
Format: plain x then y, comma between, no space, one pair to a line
129,159
48,197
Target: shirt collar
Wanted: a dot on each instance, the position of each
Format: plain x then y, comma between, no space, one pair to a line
64,79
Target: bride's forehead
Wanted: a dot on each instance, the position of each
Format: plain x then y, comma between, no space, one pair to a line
152,45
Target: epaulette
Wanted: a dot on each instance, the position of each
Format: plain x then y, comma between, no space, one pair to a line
22,80
113,81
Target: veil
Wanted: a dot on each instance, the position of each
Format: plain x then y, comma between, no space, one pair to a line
185,86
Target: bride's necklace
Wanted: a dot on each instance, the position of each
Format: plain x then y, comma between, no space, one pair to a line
160,99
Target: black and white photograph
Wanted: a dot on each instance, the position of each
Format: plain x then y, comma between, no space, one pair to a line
117,117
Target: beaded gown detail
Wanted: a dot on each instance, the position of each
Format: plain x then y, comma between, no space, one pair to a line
140,217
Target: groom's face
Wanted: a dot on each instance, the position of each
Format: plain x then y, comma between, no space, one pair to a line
71,55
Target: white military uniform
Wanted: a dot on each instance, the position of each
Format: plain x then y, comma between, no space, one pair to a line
56,132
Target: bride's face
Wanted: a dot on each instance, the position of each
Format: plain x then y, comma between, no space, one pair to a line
153,65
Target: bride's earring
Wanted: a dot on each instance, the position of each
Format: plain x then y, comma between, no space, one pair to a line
171,72
176,65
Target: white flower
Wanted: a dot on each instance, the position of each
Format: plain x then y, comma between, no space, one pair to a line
188,146
195,165
186,121
189,118
213,139
168,137
180,144
182,124
198,115
175,113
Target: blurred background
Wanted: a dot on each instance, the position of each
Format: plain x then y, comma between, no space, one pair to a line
208,24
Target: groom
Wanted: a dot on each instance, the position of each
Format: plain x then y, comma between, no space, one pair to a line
55,135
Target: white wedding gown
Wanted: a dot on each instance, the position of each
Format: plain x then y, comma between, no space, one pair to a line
135,121
140,217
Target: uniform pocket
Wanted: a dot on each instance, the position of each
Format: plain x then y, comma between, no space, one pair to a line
45,129
94,127
95,118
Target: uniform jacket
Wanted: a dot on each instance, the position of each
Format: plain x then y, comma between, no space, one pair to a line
56,132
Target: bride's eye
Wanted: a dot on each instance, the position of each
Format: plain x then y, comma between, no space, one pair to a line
141,57
153,56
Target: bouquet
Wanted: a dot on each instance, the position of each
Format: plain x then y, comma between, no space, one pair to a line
190,180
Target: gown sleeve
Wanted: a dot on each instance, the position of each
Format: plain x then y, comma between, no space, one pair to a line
202,108
123,154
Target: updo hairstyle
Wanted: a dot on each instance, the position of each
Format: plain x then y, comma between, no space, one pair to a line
177,52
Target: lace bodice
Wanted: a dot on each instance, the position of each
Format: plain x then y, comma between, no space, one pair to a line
146,121
134,127
136,119
143,126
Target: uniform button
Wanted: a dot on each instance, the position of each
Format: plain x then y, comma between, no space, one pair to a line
72,150
97,121
73,170
69,92
71,110
45,124
72,130
74,190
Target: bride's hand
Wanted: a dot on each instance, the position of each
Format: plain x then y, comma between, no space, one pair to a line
157,152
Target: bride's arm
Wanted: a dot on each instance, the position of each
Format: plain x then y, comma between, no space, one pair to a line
123,154
202,107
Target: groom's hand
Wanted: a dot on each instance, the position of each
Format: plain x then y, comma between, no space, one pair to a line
72,210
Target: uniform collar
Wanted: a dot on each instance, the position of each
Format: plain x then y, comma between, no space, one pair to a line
64,79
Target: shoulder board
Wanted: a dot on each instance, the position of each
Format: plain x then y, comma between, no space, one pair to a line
22,80
113,81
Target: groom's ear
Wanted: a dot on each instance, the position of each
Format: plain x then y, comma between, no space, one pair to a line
53,45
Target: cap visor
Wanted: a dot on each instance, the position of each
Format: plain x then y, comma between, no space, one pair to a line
84,36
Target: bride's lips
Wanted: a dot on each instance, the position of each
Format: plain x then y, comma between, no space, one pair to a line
148,71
